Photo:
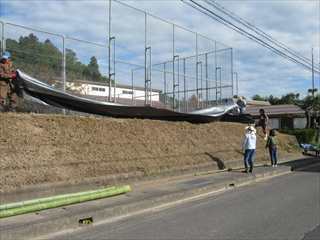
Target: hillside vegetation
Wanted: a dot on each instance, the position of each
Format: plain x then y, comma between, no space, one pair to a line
43,60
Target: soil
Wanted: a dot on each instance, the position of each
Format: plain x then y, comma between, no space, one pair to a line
44,149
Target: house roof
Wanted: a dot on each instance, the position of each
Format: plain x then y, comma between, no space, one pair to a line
285,109
258,103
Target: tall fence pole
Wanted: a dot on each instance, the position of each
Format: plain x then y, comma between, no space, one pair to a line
178,84
132,87
237,82
109,51
231,72
184,86
173,68
145,61
201,82
150,75
165,83
197,71
64,75
3,38
114,69
207,83
220,83
215,70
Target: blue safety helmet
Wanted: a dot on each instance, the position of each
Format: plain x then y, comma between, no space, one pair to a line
6,55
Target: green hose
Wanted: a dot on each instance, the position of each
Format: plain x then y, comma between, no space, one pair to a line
49,199
37,206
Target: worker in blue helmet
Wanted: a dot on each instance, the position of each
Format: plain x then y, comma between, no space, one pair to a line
7,77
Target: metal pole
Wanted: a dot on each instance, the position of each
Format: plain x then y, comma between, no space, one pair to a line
237,84
220,78
173,68
150,75
220,87
3,39
114,69
132,88
174,81
207,83
145,60
313,89
165,83
232,83
184,86
197,71
215,65
64,63
109,52
178,84
147,82
201,80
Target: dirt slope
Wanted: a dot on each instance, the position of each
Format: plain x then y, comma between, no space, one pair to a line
38,149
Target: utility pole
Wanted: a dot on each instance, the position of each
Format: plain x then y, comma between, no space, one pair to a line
311,110
313,89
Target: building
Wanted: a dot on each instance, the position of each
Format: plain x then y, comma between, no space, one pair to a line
123,93
287,116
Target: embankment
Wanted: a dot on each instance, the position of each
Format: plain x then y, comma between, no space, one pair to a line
57,149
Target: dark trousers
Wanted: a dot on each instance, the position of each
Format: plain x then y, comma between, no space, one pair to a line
8,97
273,155
249,158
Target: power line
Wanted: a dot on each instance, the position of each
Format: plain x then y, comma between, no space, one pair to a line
243,32
256,30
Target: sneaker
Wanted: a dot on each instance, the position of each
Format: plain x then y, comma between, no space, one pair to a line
276,165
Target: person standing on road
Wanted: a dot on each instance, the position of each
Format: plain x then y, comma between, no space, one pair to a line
272,143
249,148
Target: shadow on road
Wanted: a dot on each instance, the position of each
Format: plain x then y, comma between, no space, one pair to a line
304,165
313,235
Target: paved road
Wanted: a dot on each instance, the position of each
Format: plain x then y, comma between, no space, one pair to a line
286,207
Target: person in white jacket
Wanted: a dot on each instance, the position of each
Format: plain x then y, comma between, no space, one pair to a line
249,148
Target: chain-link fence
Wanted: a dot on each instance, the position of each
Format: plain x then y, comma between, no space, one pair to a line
145,60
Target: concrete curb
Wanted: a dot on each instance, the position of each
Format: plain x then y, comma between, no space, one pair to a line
61,223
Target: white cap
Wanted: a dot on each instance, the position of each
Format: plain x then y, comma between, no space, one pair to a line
251,129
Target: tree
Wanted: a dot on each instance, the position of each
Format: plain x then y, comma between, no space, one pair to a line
290,98
258,98
44,60
93,69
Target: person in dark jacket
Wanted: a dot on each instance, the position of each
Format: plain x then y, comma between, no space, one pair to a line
7,80
241,102
263,122
272,145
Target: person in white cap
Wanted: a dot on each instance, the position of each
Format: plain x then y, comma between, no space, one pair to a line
249,148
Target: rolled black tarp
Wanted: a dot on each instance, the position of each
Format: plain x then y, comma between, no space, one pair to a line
61,99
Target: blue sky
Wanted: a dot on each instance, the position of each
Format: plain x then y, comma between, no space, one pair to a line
295,23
